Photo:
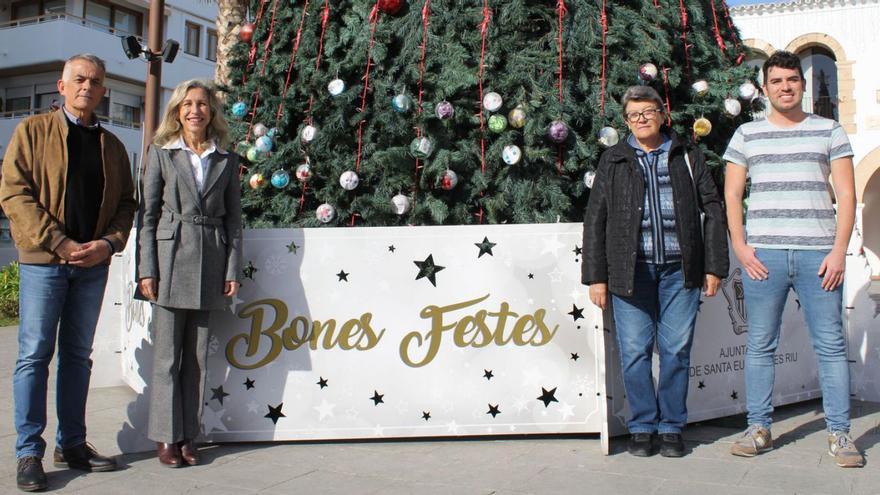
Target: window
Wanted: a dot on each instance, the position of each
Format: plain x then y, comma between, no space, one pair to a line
212,46
126,114
33,8
193,39
47,102
114,17
18,106
820,71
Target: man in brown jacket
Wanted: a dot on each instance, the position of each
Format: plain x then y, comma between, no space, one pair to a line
66,187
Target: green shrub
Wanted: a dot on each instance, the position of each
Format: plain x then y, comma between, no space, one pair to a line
9,280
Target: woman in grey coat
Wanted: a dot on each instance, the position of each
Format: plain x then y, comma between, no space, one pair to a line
189,260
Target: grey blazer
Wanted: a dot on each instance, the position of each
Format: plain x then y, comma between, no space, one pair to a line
190,242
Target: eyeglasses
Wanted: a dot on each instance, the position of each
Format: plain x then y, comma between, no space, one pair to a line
648,114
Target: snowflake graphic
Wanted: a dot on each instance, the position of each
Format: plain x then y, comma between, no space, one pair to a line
213,345
275,264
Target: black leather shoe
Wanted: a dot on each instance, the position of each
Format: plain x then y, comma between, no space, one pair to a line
83,457
640,445
671,445
30,476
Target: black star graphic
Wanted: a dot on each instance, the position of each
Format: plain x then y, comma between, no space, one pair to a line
734,395
576,312
531,276
292,247
493,410
322,382
342,275
485,247
377,398
577,250
427,269
391,248
798,301
548,396
701,385
218,394
488,374
275,413
426,415
248,383
250,270
574,356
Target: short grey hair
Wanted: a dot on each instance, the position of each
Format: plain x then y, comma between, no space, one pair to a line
642,93
88,57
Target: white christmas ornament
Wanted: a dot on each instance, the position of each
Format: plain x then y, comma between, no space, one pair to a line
325,213
260,130
263,144
511,154
700,87
349,180
732,107
748,91
492,101
336,87
608,136
401,204
303,172
308,133
589,177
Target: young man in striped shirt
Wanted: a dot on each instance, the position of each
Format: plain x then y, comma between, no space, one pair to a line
792,240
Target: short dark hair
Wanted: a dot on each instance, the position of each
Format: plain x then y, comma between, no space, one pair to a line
783,60
642,93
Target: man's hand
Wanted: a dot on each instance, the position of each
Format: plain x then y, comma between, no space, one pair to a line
149,288
710,285
753,266
230,288
599,295
832,269
90,254
67,248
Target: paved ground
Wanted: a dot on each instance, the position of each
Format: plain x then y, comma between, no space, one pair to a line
544,465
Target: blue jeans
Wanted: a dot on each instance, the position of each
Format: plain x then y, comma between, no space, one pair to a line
661,309
765,300
55,302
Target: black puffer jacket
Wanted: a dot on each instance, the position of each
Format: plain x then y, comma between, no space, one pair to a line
611,222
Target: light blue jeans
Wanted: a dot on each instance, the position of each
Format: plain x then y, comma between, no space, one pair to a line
56,302
765,299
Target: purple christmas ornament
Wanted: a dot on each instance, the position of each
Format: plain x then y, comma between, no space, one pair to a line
558,131
444,110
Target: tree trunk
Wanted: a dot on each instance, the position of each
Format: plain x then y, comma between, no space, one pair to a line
230,16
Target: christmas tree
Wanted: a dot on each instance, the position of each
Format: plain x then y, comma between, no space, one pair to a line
450,112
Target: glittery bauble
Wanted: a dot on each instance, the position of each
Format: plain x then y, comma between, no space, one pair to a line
308,133
448,180
349,180
401,204
303,172
702,127
589,177
497,123
608,137
401,103
444,110
260,130
732,107
263,144
747,91
336,87
280,179
517,118
557,131
701,87
325,213
246,32
274,132
257,181
492,101
255,155
421,147
391,6
239,109
511,154
648,72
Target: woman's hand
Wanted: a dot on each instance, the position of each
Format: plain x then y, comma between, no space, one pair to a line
149,288
230,288
599,295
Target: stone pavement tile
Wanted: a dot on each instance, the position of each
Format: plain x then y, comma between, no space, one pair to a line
154,484
245,473
553,480
688,468
826,478
327,482
684,486
409,488
868,481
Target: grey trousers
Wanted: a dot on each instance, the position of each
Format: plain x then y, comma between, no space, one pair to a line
180,354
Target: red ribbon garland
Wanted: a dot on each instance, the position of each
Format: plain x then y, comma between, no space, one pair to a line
426,12
325,16
665,71
684,27
718,39
293,54
374,20
604,19
561,10
730,25
484,32
266,45
252,54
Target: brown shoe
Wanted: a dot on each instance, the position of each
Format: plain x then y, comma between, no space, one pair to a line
188,452
169,454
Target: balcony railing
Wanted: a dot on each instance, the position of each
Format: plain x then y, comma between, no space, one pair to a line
64,16
16,114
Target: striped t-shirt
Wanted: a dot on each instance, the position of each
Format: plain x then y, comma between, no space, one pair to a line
790,197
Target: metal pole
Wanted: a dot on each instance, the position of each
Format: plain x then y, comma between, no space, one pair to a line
152,96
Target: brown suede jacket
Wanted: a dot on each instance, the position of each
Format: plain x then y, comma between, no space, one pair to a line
34,182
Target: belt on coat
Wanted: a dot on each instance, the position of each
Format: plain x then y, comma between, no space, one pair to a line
193,219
